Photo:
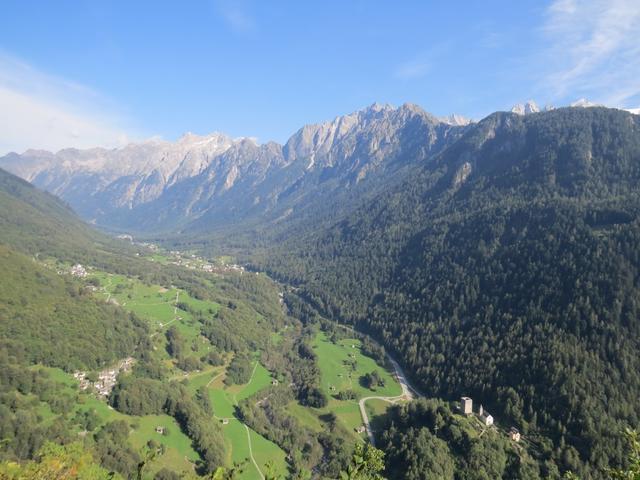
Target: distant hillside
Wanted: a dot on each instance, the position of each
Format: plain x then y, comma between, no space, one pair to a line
45,317
505,268
34,221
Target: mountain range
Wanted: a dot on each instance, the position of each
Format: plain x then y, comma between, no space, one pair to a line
200,182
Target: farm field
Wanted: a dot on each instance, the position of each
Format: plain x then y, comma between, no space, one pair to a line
224,400
335,361
336,376
161,307
179,455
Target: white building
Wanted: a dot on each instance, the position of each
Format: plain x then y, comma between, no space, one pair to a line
485,417
78,271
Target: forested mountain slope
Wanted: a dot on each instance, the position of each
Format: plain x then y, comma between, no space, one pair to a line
49,319
35,222
45,317
505,268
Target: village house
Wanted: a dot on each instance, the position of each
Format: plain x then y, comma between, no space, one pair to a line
361,429
106,378
78,271
485,417
160,429
514,434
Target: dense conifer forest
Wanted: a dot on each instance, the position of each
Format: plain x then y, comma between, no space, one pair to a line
505,268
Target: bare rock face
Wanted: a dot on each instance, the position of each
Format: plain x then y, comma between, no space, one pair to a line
462,174
526,109
156,184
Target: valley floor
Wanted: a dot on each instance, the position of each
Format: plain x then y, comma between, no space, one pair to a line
341,363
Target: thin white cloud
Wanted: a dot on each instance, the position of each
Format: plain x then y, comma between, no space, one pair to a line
236,16
411,70
45,112
593,50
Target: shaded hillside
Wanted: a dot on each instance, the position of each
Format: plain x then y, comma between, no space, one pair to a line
33,221
506,268
46,317
49,319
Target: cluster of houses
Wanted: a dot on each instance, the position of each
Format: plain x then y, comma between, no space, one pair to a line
151,246
466,407
106,378
78,271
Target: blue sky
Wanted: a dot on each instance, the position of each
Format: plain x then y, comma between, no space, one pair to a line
91,73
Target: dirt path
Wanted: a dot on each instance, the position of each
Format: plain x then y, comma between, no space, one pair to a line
253,460
213,379
235,401
106,290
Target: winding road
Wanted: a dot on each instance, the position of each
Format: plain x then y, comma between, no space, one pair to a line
408,393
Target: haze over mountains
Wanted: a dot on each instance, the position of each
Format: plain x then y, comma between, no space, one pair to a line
158,185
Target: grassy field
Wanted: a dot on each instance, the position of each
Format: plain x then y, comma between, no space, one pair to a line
376,410
332,362
224,399
159,307
337,376
179,456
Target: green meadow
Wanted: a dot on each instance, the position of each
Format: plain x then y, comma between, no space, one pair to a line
224,400
335,360
160,306
342,366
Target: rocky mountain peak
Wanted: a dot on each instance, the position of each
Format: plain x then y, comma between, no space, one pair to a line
201,174
456,120
584,103
525,109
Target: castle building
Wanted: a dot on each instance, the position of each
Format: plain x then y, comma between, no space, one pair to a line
466,405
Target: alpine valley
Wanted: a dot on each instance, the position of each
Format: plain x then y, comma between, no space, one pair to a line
351,304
